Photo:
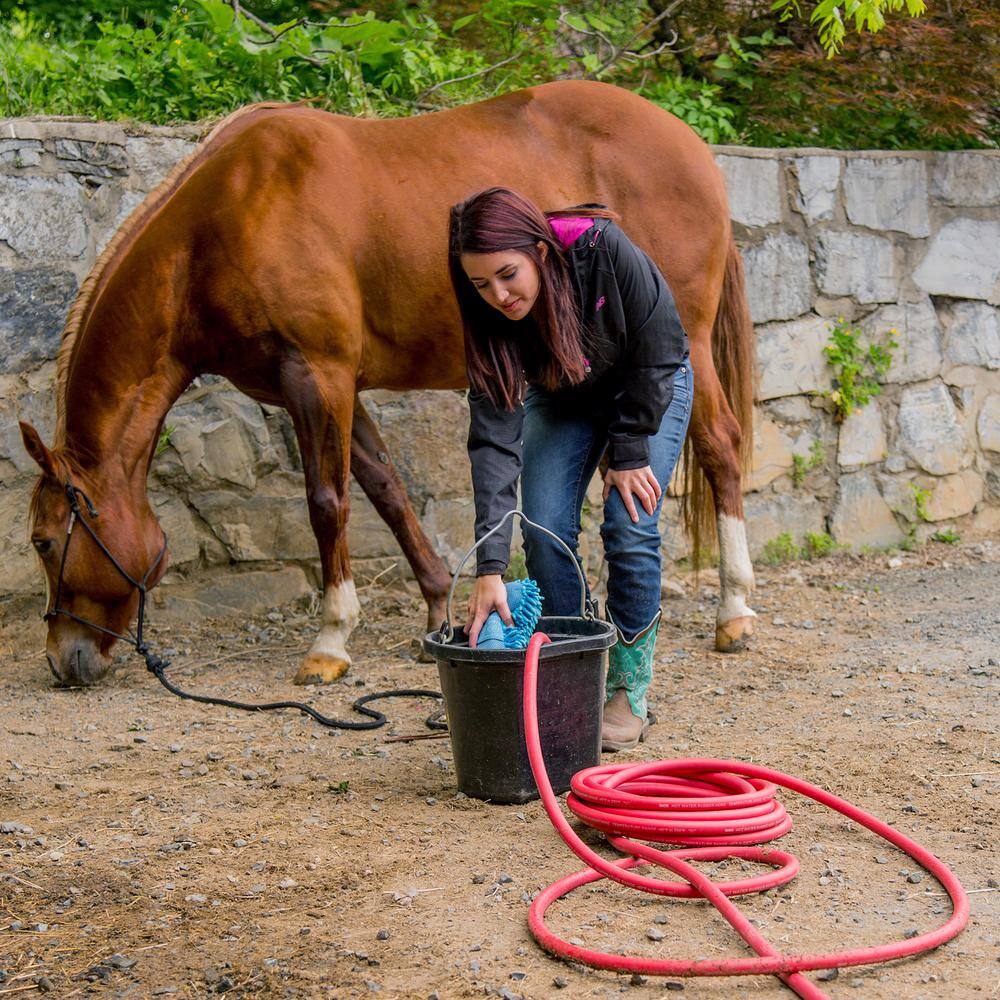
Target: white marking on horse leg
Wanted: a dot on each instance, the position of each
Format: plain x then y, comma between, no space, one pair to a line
340,614
735,569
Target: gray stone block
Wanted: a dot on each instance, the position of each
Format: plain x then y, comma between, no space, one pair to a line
153,157
862,437
34,404
966,178
91,159
955,496
20,153
769,515
754,188
43,218
861,516
929,431
988,424
917,334
963,261
33,306
224,592
818,177
790,359
858,265
887,193
778,281
21,572
972,334
271,523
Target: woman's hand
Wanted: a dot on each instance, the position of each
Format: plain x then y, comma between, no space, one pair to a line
488,595
641,482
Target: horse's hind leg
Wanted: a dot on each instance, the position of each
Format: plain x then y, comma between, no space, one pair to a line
319,396
716,436
377,476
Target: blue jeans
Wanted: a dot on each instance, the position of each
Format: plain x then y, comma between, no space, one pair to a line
561,452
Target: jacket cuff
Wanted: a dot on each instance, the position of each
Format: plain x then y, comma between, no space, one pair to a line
628,451
491,567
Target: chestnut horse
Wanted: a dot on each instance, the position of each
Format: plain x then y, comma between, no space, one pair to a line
302,255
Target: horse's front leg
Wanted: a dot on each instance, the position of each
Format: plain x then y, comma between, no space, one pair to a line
716,436
374,471
319,396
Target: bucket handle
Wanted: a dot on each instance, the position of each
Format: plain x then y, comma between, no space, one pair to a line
586,611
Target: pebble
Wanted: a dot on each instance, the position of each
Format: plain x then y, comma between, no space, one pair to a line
239,842
248,775
915,877
977,781
661,919
655,935
911,932
895,562
848,712
559,983
881,859
175,748
518,976
383,935
11,827
195,897
637,980
44,984
828,975
431,801
478,879
505,879
120,961
673,985
287,883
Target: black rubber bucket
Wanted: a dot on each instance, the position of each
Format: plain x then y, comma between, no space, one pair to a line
483,691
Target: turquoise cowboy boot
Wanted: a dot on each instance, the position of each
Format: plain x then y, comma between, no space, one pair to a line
630,669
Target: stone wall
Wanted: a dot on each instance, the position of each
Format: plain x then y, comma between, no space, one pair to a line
909,242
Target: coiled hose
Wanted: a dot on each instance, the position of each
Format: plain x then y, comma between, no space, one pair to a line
714,809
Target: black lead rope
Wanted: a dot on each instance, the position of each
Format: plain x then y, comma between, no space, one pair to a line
157,665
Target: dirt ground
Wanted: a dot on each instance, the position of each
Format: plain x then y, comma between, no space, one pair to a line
155,847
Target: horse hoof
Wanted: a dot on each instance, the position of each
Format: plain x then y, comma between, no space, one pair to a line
732,636
318,668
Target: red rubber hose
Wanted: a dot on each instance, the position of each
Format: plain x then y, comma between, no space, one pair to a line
715,809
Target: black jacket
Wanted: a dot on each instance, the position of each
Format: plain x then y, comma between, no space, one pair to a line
633,342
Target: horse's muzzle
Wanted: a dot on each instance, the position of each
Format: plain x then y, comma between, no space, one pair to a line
78,663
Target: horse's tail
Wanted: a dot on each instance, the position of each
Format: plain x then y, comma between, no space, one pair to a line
733,357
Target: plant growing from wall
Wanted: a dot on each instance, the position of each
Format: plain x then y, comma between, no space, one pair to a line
802,464
857,369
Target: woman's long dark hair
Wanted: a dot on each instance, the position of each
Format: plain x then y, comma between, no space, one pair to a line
548,343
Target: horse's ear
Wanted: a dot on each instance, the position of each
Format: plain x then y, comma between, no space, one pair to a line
35,447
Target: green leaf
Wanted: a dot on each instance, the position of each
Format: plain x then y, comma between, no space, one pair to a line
463,21
575,21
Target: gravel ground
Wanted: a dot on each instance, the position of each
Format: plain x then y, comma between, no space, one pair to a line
155,847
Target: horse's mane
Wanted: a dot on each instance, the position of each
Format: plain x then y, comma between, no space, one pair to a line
129,228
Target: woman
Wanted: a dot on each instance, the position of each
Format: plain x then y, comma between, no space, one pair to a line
573,347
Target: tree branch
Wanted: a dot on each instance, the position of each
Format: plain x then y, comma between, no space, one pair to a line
617,53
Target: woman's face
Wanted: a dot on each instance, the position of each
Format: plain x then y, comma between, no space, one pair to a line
507,280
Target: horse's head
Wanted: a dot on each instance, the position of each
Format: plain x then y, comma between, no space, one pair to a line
91,600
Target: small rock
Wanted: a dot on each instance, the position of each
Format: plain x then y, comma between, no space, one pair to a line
431,801
478,879
915,877
977,781
911,932
505,879
175,748
828,975
11,827
910,808
518,976
673,985
248,775
655,935
637,980
287,883
383,935
559,983
239,842
895,562
848,712
881,859
120,961
44,984
660,919
195,897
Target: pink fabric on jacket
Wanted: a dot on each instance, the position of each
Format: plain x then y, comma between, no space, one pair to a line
568,229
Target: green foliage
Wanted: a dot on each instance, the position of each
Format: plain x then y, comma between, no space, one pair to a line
829,16
920,498
737,64
163,441
784,548
781,550
857,369
697,103
947,535
340,788
819,544
802,465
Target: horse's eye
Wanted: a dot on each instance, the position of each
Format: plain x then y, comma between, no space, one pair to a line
43,546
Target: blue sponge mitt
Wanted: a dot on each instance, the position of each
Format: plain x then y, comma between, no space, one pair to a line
525,602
